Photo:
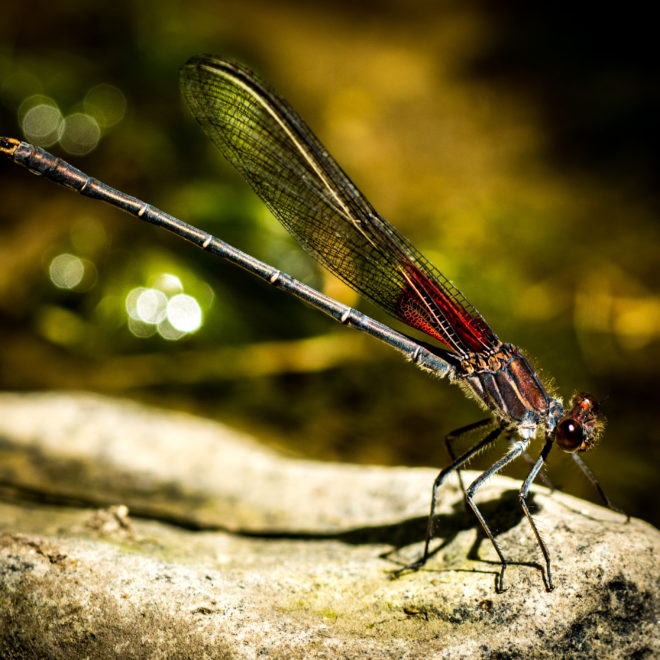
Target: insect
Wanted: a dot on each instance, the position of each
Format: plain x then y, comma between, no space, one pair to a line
309,193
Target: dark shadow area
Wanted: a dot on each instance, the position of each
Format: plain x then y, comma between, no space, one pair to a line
502,514
592,73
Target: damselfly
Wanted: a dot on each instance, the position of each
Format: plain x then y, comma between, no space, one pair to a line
294,175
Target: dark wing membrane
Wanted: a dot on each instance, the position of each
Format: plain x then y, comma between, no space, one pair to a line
312,197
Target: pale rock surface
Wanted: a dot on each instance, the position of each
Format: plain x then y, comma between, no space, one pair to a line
132,532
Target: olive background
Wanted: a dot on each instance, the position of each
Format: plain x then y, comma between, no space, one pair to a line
517,147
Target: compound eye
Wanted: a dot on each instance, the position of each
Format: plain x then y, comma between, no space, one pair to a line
569,435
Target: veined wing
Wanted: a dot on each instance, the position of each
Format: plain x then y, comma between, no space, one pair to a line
287,166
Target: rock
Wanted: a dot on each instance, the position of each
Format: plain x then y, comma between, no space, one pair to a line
132,532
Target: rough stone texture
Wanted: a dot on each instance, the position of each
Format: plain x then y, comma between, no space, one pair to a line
132,532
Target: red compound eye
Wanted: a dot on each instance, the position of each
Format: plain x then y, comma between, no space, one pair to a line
570,435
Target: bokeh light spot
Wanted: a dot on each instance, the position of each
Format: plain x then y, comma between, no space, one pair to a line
106,103
80,135
61,326
141,329
167,331
184,313
151,306
169,284
165,308
66,271
42,122
131,302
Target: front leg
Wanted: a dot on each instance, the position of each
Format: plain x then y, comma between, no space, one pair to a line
518,448
547,576
489,439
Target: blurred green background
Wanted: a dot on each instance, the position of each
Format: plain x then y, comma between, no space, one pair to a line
518,149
